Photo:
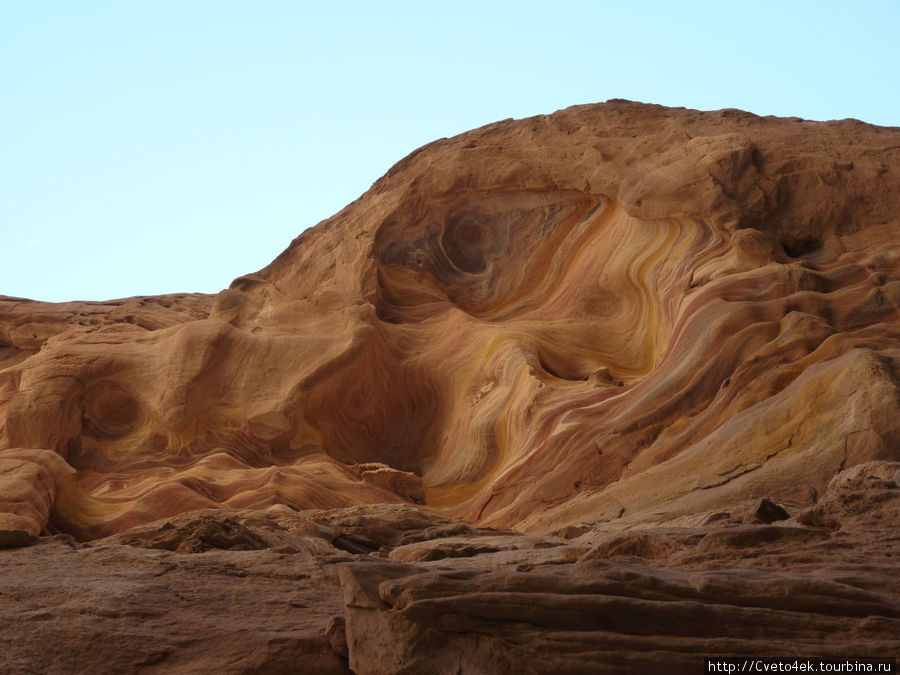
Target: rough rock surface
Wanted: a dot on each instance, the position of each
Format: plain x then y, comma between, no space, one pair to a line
607,388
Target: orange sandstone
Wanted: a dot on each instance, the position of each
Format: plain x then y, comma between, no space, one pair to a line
619,311
610,390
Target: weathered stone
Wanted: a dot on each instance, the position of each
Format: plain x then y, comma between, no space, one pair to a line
769,512
621,323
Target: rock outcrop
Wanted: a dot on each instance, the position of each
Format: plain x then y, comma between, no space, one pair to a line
601,362
28,480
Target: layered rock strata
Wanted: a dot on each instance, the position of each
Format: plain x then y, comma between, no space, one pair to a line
621,324
378,589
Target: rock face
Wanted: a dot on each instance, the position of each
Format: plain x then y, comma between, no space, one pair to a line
620,330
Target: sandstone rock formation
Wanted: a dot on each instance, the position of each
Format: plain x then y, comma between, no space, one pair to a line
28,480
602,362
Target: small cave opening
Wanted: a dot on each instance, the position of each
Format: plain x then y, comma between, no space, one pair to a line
799,248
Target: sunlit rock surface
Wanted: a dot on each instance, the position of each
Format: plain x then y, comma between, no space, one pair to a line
617,328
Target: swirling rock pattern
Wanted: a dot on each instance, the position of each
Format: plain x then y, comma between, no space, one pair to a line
612,389
617,311
617,330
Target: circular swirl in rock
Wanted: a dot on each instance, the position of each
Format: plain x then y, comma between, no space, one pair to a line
469,241
110,411
486,254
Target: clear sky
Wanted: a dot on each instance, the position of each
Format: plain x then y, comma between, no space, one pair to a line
163,146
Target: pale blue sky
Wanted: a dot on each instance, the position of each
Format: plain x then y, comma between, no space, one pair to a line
172,145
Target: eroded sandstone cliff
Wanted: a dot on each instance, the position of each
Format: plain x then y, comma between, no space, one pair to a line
621,324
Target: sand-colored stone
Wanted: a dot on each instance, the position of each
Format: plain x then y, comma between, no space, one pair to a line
28,485
396,589
539,319
616,329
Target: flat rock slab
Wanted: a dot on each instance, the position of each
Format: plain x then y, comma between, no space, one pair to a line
600,616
